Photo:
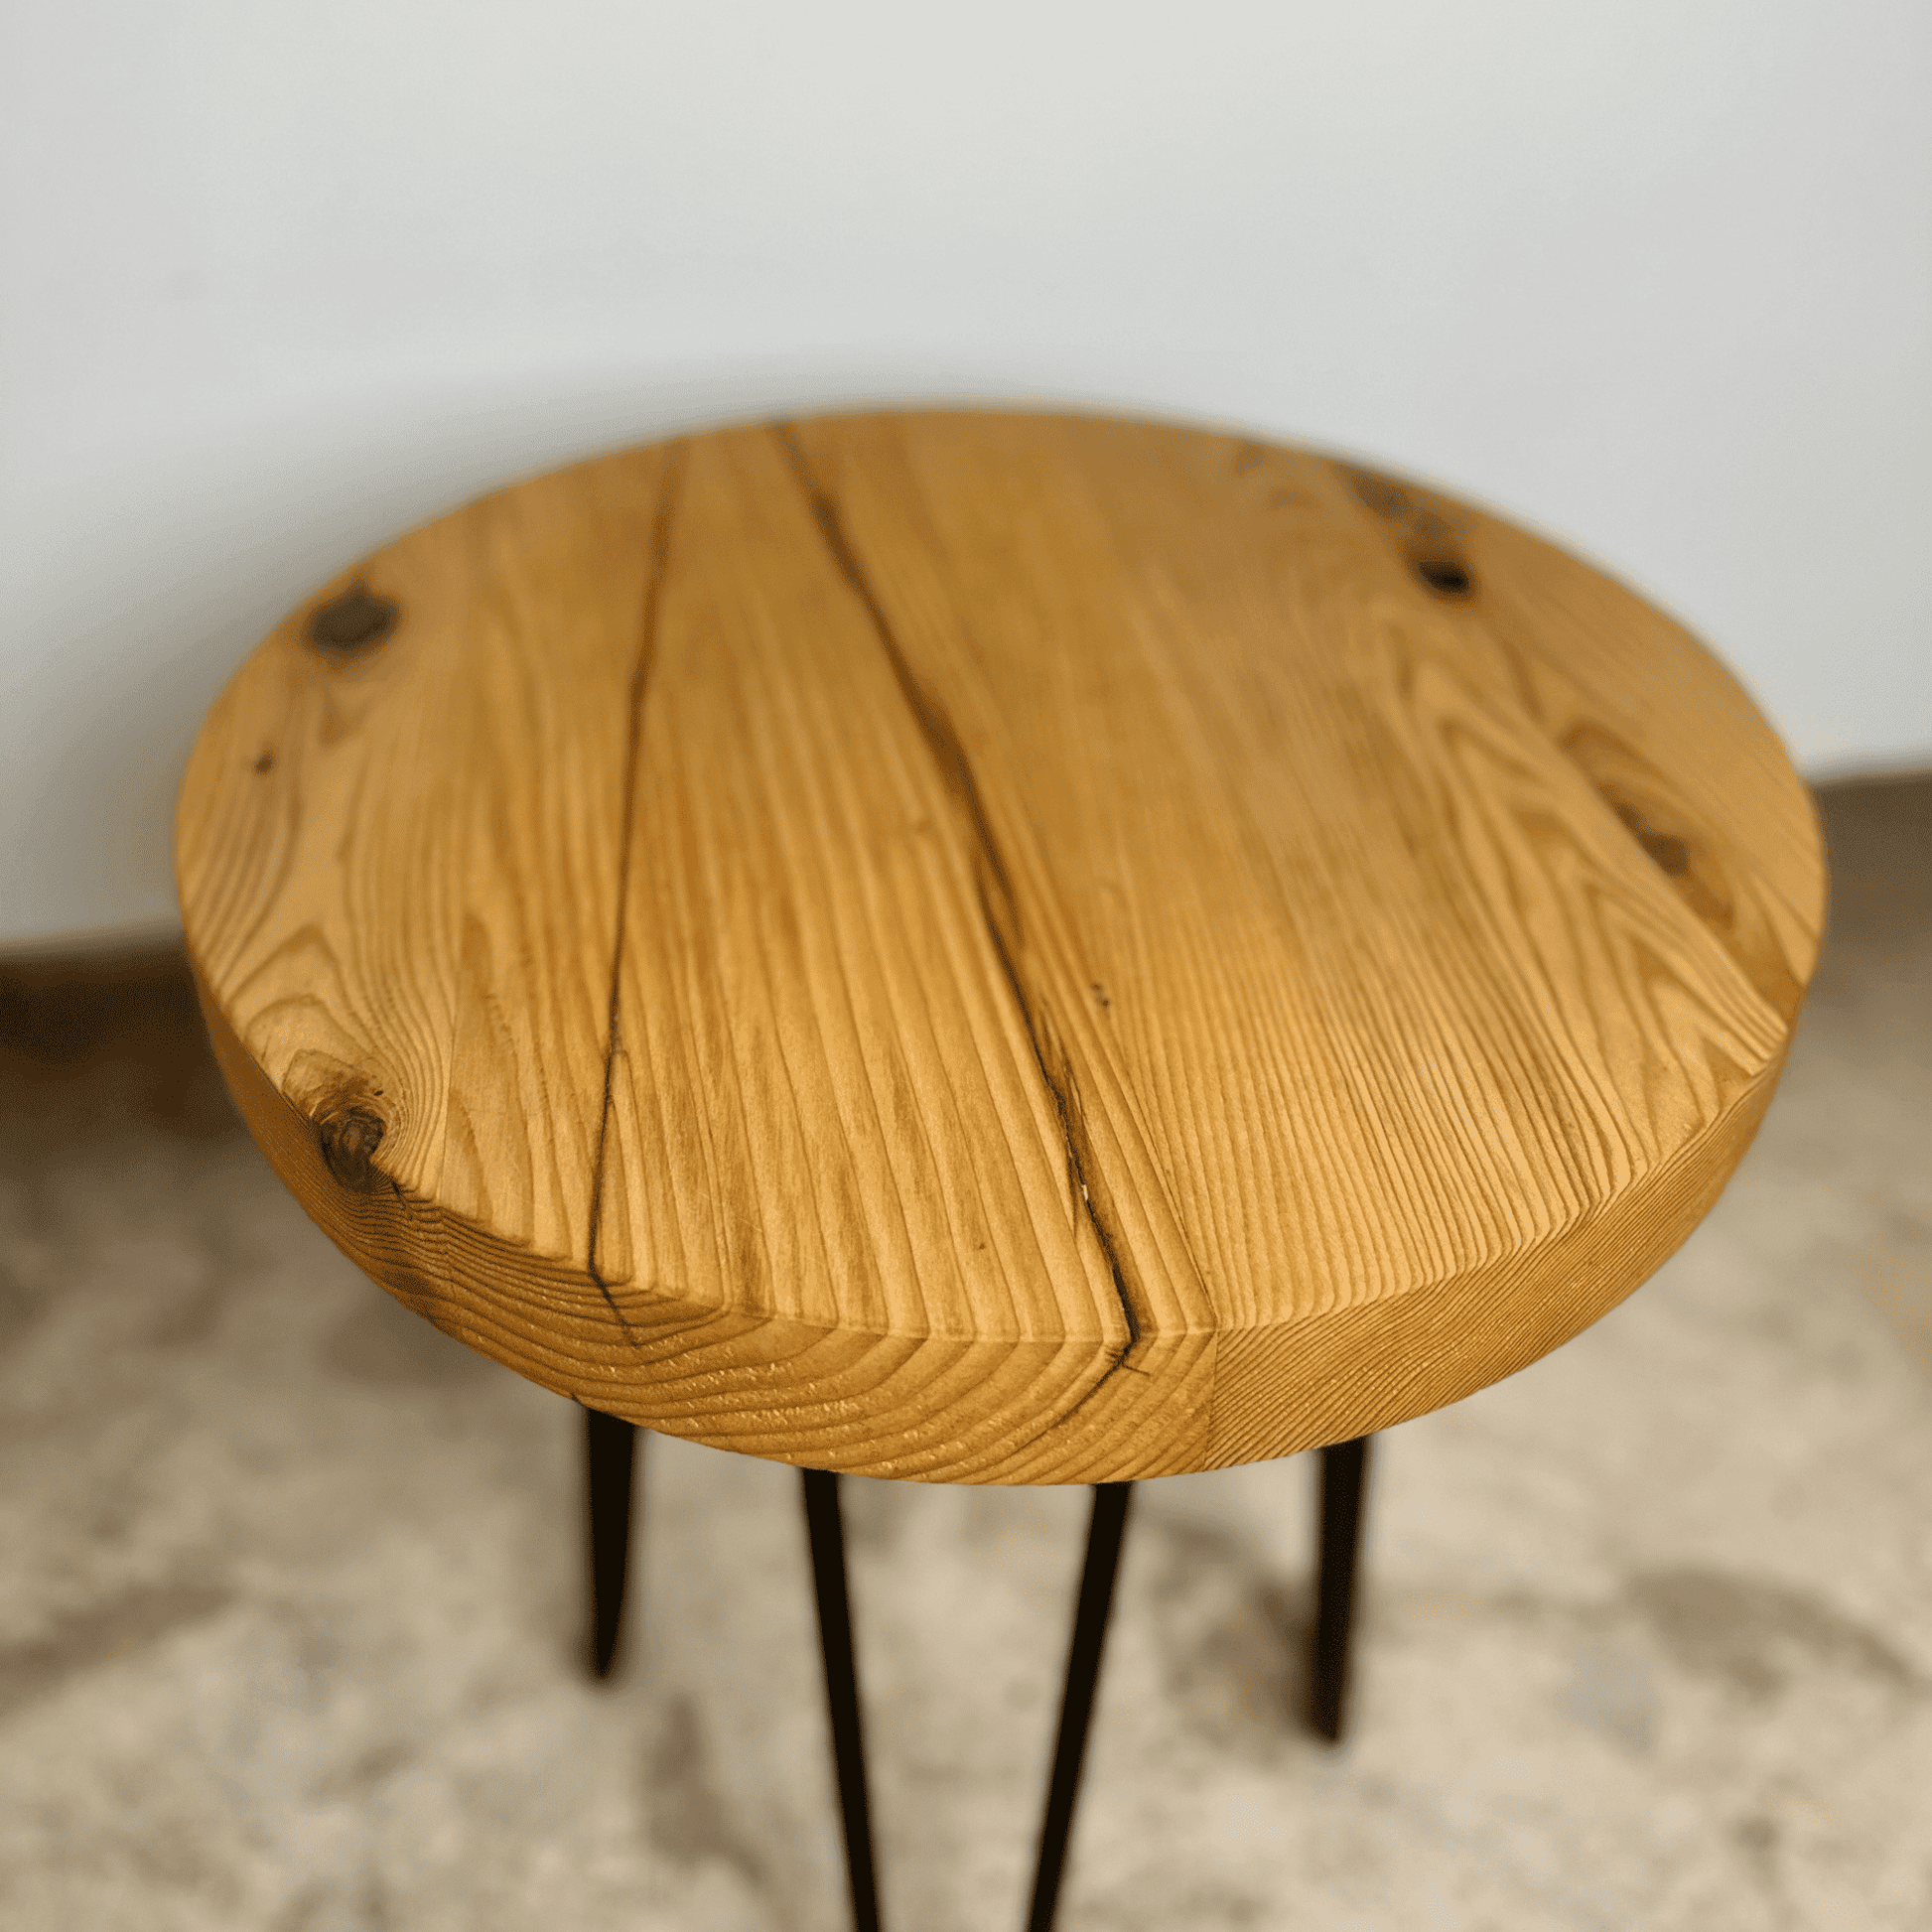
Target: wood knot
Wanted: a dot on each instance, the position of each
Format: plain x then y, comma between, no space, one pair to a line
350,622
1446,576
1428,540
1665,850
1669,852
1380,495
350,1137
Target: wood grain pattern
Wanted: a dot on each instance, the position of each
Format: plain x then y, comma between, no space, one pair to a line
996,948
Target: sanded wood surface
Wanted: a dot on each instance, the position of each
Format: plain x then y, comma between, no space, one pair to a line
993,947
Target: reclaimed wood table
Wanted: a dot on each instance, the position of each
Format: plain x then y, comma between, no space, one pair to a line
995,948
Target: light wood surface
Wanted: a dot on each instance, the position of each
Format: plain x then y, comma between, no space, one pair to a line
996,948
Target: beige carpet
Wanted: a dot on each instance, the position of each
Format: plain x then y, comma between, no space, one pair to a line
290,1585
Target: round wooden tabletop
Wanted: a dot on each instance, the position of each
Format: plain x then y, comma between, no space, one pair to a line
996,947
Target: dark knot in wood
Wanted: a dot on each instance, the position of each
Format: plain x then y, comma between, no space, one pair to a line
1384,497
1669,852
350,1137
1446,576
1665,850
350,622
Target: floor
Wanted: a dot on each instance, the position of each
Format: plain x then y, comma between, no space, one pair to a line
291,1587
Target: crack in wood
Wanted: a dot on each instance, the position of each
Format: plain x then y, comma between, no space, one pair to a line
660,552
993,885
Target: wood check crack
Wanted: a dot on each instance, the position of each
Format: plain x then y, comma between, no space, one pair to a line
998,906
661,555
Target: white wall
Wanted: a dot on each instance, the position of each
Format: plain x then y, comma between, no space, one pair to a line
281,280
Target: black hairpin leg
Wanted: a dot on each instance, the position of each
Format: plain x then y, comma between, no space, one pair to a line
1104,1534
609,1462
1344,1471
826,1529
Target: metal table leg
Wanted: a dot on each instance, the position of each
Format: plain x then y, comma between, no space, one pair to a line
609,1462
1104,1533
826,1528
1345,1473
